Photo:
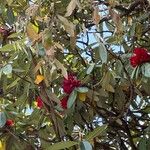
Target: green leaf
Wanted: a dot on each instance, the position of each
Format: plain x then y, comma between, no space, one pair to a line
7,69
102,53
82,89
13,83
10,15
72,98
90,69
143,144
62,145
146,69
7,48
102,50
133,73
2,119
85,145
96,132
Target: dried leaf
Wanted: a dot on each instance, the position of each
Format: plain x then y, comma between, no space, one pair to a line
47,40
105,83
69,26
38,66
130,20
32,32
82,96
39,79
117,20
59,46
61,66
32,10
96,17
71,7
50,52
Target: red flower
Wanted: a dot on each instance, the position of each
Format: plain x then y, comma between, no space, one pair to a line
9,122
70,83
39,102
140,55
63,102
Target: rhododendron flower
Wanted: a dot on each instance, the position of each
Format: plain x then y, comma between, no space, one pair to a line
9,122
70,83
39,102
140,55
63,102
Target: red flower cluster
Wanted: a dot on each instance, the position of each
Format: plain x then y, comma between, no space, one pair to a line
39,102
9,122
70,83
63,102
68,86
140,55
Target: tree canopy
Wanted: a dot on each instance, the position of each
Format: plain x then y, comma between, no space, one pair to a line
74,74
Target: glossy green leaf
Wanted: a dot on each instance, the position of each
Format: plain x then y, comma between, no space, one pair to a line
146,69
82,89
62,145
7,69
2,119
72,98
96,132
85,145
90,68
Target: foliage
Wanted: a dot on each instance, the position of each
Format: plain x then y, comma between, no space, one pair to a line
42,43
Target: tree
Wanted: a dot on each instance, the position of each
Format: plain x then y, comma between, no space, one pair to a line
74,74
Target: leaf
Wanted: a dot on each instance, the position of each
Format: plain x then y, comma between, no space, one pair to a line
82,89
9,2
82,96
143,144
38,66
47,39
96,132
2,145
105,83
62,145
69,26
7,69
32,10
10,15
7,48
2,119
117,20
72,98
96,17
90,69
102,53
71,7
39,79
102,50
14,83
146,69
109,88
133,73
32,31
85,145
61,66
